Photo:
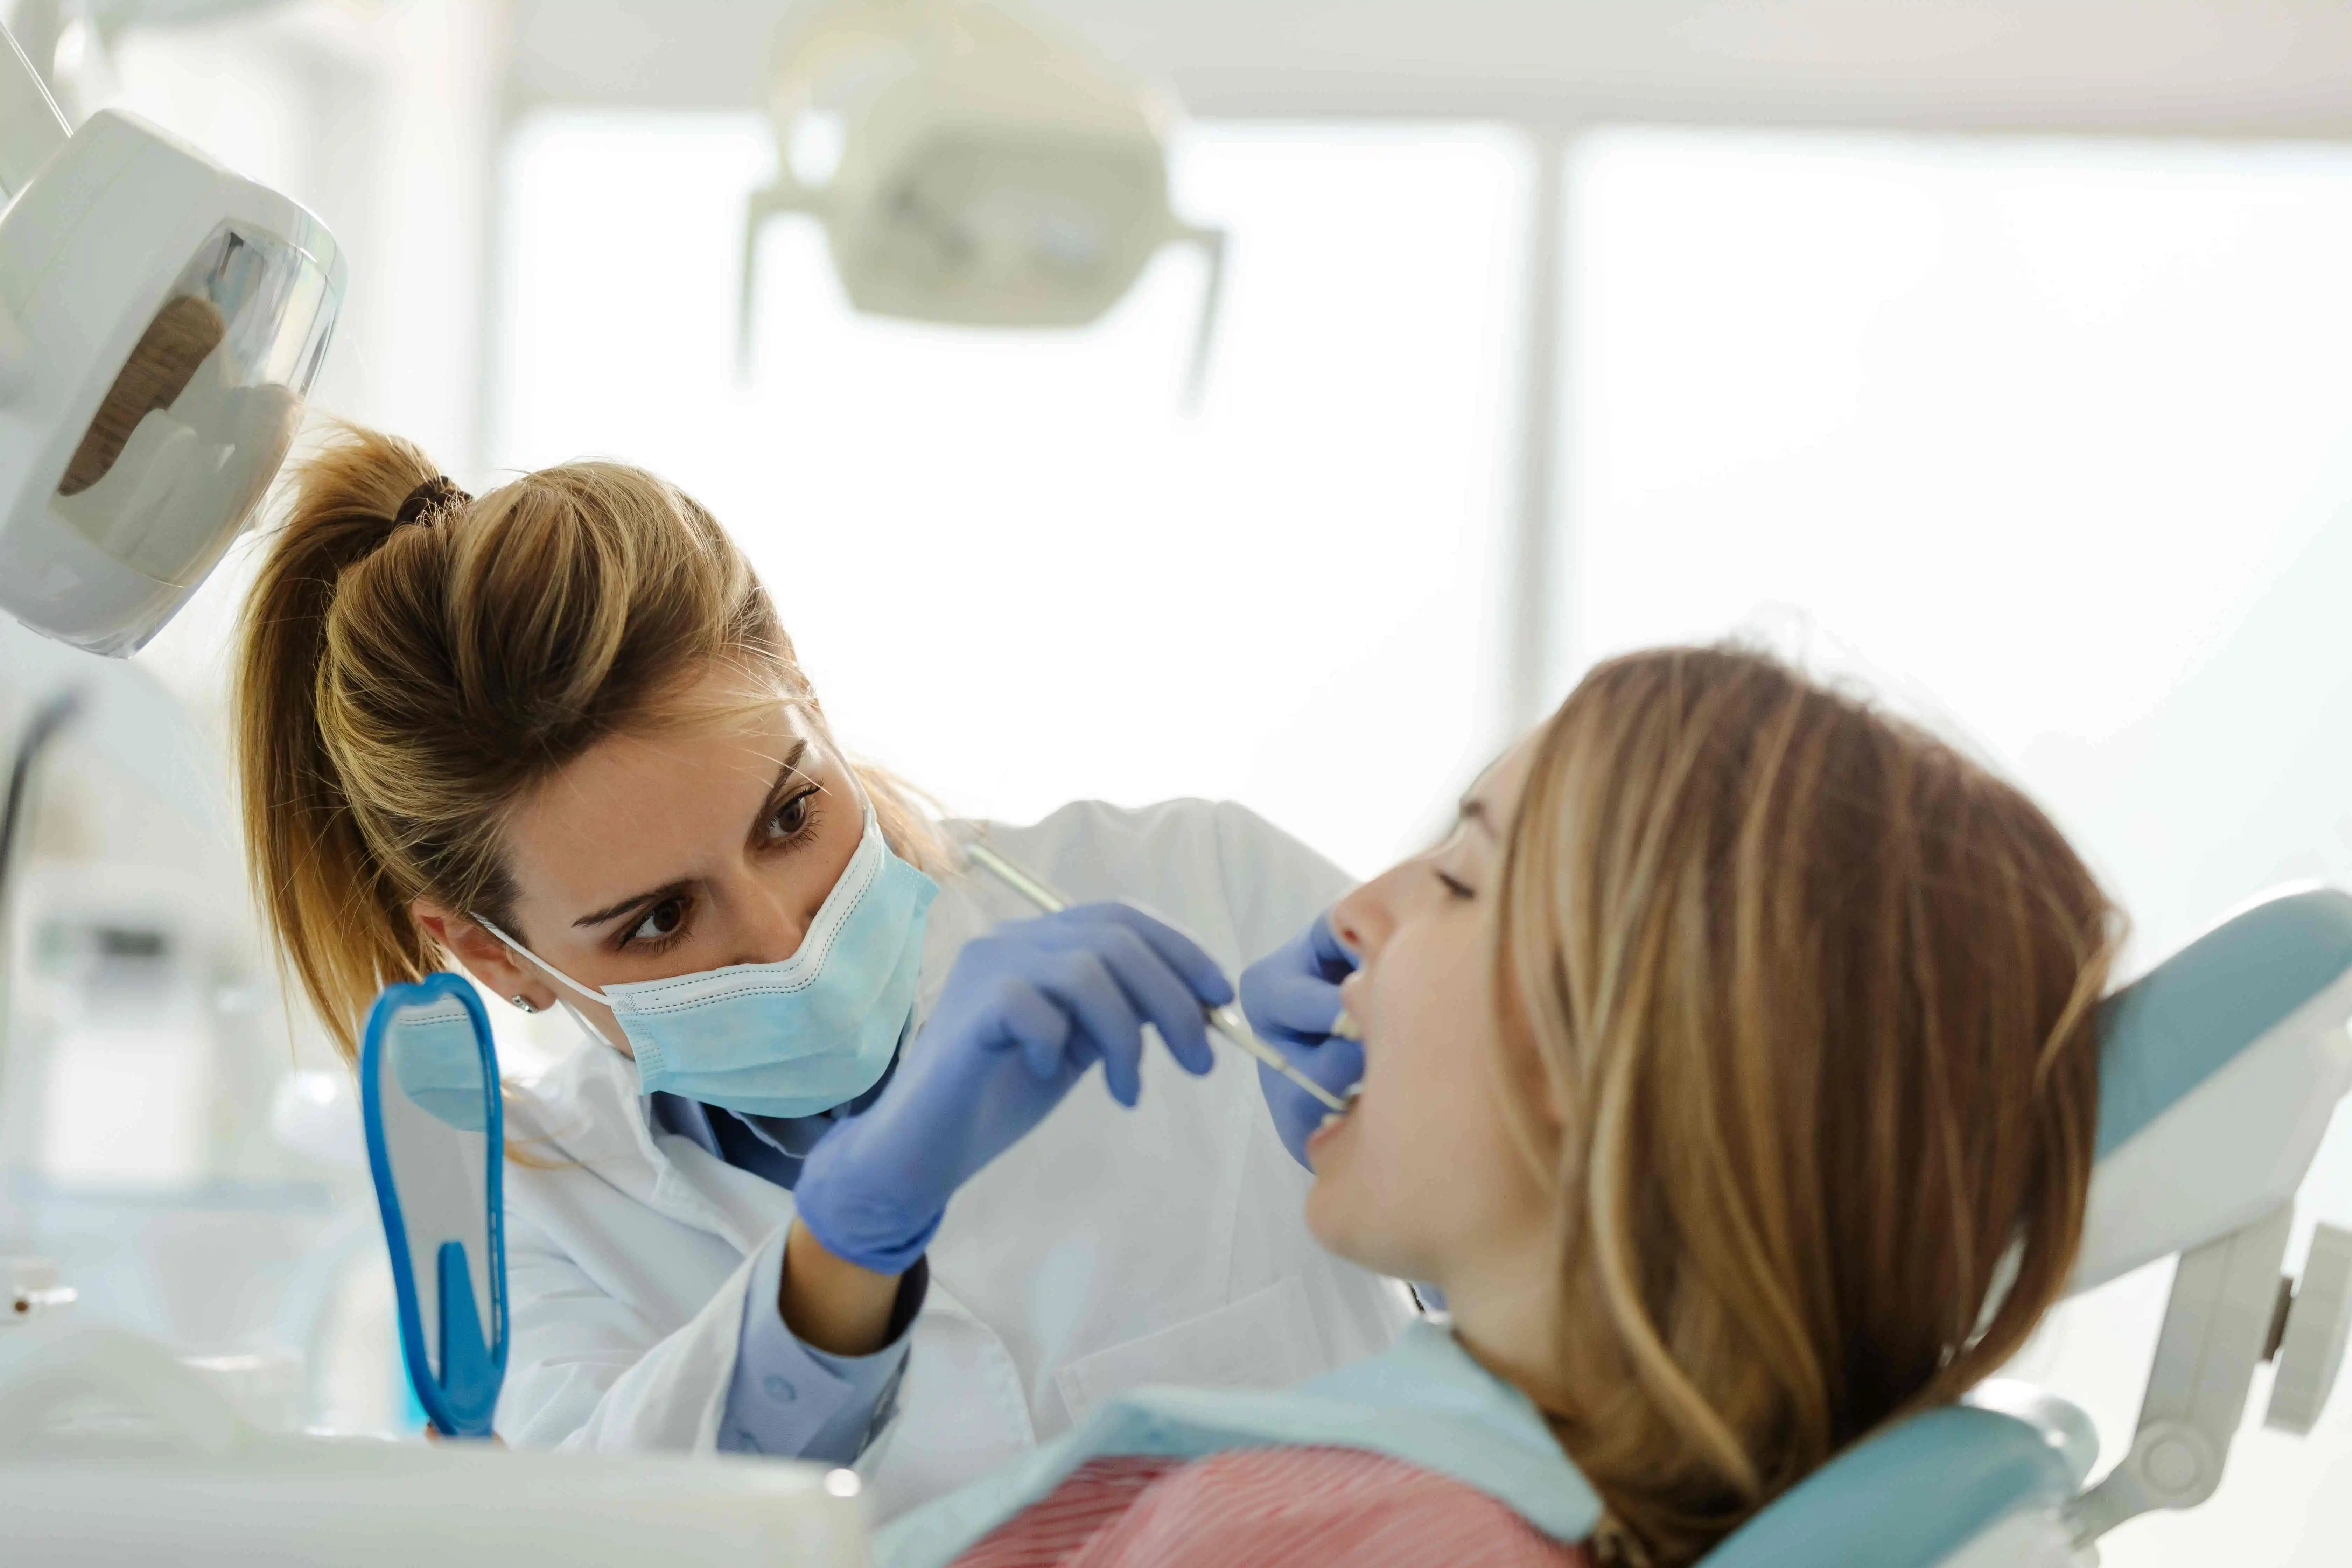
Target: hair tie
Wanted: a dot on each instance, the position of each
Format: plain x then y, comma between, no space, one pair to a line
431,496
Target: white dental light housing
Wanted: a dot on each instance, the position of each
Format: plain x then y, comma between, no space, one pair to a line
161,321
991,172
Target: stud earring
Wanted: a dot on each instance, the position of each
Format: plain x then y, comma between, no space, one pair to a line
525,1002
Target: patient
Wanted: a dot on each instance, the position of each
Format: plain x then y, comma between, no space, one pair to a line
1730,1067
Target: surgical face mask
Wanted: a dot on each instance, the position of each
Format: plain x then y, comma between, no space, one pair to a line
791,1038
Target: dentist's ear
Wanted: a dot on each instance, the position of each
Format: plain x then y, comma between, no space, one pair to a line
484,956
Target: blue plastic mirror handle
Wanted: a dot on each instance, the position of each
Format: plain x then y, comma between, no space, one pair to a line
468,1377
461,1402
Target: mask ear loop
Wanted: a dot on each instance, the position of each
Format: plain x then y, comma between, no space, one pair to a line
560,978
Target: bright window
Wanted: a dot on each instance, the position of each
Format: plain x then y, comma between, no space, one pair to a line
2059,433
1019,572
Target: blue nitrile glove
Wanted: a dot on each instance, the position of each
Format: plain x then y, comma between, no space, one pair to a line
1026,1010
1292,999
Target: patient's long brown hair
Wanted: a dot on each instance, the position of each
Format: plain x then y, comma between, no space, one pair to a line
1815,993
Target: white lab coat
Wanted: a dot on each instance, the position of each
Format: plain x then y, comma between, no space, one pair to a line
1108,1249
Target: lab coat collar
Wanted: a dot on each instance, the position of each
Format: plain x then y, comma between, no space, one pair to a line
1425,1403
590,1109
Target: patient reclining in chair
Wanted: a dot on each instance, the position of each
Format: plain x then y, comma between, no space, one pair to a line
1730,1068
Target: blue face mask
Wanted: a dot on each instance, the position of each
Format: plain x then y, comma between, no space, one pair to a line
793,1039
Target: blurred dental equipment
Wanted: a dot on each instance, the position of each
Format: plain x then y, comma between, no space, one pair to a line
30,1285
113,1452
985,169
55,713
429,1097
1226,1021
138,1055
161,322
130,988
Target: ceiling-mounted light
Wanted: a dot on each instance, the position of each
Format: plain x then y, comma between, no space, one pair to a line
984,170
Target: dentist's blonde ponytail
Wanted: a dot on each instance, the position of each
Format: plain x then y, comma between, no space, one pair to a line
413,661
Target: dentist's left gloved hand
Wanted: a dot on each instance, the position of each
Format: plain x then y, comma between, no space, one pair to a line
1027,1009
1292,999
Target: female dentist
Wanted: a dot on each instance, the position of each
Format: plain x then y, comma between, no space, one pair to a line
558,733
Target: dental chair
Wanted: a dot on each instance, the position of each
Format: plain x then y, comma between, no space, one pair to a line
2220,1070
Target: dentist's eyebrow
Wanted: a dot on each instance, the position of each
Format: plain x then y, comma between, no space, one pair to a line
1474,811
784,775
634,901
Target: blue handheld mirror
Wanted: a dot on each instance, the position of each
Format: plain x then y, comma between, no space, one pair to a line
429,1095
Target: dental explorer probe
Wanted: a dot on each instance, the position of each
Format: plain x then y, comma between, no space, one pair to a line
1226,1020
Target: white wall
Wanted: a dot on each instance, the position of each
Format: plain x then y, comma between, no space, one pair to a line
2152,65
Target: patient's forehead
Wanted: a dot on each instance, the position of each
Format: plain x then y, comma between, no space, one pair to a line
1496,789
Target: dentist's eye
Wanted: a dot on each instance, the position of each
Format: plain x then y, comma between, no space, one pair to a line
1455,887
795,818
660,926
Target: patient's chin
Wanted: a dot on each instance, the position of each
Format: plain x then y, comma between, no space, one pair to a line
1329,1207
1321,1222
1344,1214
1354,1230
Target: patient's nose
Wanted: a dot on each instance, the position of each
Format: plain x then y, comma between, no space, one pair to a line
1365,918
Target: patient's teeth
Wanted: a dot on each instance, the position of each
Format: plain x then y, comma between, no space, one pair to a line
1327,1122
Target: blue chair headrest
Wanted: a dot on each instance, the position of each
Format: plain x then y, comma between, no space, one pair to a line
1908,1497
2219,1071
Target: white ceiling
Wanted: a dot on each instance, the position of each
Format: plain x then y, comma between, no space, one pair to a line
2258,68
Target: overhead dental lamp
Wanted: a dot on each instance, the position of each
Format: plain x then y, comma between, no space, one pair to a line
161,322
991,172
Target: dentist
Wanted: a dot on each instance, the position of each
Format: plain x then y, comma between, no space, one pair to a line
807,1190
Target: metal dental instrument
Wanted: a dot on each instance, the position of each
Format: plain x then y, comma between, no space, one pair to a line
1226,1020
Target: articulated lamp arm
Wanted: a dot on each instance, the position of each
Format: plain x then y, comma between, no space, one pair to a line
32,127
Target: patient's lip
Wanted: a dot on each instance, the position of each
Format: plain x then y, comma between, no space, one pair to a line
1331,1124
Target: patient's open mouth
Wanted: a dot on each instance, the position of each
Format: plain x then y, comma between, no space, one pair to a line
1337,1119
1321,1135
1345,1027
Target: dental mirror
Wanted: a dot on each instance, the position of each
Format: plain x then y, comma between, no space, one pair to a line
429,1096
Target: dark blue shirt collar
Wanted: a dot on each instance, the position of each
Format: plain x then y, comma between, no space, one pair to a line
771,1147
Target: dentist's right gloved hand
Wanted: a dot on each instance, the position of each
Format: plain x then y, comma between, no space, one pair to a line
1027,1009
1291,997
